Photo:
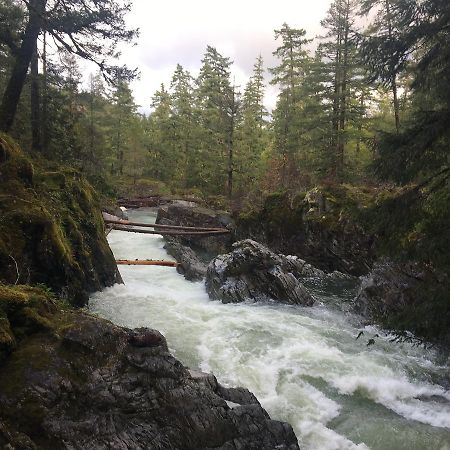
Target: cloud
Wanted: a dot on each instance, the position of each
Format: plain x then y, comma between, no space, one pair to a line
177,31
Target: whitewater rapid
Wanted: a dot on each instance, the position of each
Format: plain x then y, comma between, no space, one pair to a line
305,365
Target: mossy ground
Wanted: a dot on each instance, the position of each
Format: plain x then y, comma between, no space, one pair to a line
51,228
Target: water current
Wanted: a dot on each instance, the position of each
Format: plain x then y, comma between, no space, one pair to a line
305,365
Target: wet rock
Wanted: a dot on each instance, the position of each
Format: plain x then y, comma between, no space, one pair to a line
388,289
92,385
252,271
209,246
195,252
190,265
143,337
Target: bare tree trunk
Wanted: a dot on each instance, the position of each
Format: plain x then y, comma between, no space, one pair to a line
35,102
44,122
18,76
396,102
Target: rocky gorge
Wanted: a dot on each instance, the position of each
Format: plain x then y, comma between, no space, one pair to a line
71,380
324,229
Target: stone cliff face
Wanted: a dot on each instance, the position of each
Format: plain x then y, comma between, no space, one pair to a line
51,228
319,226
80,382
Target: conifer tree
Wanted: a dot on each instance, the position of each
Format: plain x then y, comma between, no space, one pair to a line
252,132
289,75
217,109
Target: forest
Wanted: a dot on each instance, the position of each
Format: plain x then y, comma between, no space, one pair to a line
301,251
369,103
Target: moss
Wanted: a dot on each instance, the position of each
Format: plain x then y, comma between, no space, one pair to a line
51,228
24,310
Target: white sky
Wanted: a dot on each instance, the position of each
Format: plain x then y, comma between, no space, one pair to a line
177,31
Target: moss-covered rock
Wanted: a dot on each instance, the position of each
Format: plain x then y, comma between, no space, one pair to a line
322,226
51,228
24,310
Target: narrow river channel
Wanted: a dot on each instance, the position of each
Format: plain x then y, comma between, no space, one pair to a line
305,365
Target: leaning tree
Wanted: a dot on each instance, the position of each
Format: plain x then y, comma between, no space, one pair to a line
91,29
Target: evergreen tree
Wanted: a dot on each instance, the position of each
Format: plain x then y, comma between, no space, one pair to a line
184,127
422,32
252,132
216,109
384,27
90,29
289,75
340,53
122,114
162,147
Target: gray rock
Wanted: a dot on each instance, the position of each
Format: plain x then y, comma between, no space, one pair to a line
252,271
389,288
190,265
92,385
206,247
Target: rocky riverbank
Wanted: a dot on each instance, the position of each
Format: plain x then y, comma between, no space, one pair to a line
76,381
71,380
331,228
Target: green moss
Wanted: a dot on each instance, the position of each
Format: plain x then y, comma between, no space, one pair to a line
24,310
51,228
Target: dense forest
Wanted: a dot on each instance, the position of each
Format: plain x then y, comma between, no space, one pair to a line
364,104
368,101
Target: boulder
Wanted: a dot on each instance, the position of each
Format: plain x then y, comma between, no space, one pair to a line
91,385
252,271
194,252
205,246
190,265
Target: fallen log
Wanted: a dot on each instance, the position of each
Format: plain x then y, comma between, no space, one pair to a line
146,262
161,227
170,233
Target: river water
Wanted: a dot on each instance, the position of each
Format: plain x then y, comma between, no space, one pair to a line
305,365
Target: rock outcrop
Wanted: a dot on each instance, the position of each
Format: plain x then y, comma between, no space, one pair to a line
320,226
252,271
194,253
387,289
51,230
79,382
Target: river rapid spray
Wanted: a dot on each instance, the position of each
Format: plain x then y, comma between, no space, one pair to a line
304,364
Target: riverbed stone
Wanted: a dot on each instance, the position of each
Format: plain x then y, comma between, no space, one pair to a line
252,272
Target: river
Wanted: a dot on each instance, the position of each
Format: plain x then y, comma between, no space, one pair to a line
305,365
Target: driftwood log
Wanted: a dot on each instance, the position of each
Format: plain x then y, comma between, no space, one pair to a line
146,262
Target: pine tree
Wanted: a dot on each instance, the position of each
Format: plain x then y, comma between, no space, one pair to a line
289,75
252,133
217,109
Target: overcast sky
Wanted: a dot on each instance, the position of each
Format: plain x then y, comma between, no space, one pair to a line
178,31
